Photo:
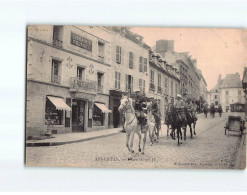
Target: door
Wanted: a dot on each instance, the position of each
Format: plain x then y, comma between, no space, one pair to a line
116,115
78,115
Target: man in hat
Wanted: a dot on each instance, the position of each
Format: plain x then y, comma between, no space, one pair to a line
180,106
156,112
140,101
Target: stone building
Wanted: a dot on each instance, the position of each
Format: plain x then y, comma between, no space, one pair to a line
187,67
228,91
163,80
68,74
129,70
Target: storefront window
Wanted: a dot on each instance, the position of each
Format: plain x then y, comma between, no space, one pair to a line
98,117
52,116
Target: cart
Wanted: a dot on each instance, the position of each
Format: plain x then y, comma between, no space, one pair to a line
235,123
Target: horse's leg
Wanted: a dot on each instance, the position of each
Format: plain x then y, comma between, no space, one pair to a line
191,134
194,125
132,135
140,137
184,128
127,140
150,134
144,140
167,130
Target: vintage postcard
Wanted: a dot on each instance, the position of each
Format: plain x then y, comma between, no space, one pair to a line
135,97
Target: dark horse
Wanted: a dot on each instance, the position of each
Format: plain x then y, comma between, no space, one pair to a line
191,119
212,110
220,110
175,121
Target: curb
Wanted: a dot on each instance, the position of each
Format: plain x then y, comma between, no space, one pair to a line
241,154
40,144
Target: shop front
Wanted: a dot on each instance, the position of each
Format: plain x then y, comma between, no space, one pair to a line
78,115
115,118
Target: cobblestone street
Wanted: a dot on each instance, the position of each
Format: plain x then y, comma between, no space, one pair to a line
210,148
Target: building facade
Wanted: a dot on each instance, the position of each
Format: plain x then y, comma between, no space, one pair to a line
68,74
129,70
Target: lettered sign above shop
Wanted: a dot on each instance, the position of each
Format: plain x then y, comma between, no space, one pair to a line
81,42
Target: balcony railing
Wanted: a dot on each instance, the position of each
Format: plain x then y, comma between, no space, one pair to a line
55,79
78,84
100,88
159,90
57,43
152,87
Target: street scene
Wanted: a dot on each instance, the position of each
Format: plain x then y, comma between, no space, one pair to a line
118,97
210,149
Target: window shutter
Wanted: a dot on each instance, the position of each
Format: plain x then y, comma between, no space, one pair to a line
132,82
140,84
116,79
145,65
118,54
119,80
141,64
144,86
126,82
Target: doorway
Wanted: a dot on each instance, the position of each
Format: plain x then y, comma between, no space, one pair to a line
78,115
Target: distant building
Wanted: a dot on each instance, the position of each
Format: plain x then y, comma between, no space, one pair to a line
227,92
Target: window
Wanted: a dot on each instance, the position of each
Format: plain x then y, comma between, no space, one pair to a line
101,47
118,54
215,97
131,60
140,84
152,86
159,83
227,92
144,86
141,64
239,99
145,64
52,115
117,80
98,116
176,89
166,86
128,83
55,78
216,103
80,72
100,82
239,93
171,88
57,36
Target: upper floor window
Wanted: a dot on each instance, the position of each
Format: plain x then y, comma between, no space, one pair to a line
118,54
141,64
152,76
131,60
145,62
142,85
239,92
215,97
55,71
100,81
57,36
117,80
129,83
101,48
227,92
80,72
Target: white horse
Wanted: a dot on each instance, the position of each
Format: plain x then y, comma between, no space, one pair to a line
132,125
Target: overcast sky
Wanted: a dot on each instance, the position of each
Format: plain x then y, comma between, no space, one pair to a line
218,51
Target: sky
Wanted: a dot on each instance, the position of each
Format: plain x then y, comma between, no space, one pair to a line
218,51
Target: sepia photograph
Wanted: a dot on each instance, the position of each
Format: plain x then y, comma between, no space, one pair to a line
135,97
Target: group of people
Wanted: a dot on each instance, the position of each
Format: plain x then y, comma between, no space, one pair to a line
183,104
212,109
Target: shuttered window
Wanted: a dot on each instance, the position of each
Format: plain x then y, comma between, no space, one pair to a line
131,60
145,64
118,54
141,64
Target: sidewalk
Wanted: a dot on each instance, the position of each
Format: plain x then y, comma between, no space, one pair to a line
68,138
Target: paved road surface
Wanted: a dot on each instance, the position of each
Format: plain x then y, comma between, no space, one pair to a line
210,148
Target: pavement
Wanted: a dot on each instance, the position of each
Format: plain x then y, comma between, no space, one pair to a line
69,138
210,148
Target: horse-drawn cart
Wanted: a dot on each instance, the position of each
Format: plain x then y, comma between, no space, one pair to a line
235,123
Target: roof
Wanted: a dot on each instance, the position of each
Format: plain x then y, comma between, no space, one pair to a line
231,81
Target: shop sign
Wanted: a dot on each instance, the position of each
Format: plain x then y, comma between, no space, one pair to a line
81,42
85,85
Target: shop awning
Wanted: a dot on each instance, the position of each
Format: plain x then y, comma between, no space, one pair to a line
103,108
59,103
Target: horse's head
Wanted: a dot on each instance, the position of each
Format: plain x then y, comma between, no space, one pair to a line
125,103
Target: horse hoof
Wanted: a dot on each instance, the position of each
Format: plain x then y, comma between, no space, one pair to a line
151,144
130,158
140,150
132,151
